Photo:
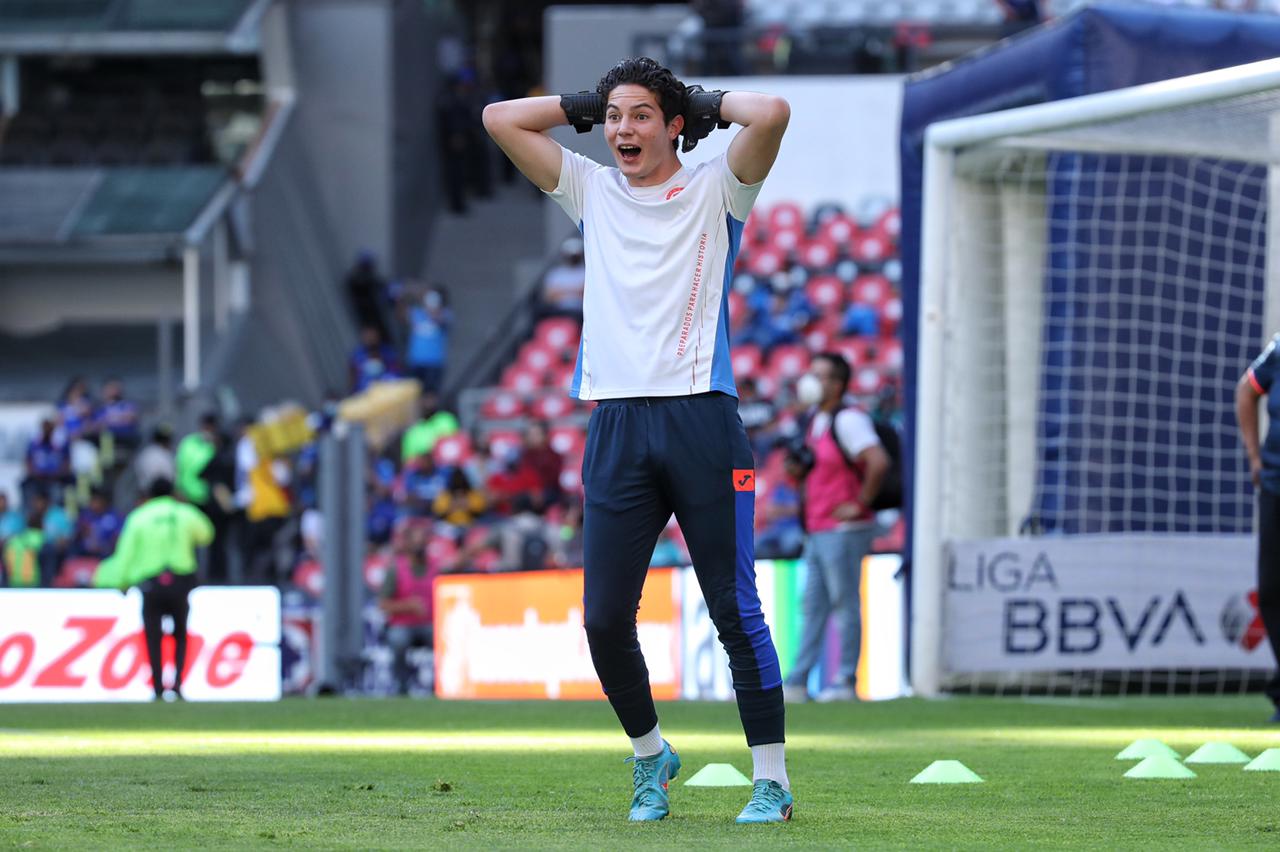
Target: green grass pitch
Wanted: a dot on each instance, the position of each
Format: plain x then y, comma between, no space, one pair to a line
400,773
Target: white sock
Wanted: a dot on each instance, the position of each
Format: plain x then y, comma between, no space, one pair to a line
770,761
647,745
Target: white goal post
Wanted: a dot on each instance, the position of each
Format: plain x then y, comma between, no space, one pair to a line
1095,274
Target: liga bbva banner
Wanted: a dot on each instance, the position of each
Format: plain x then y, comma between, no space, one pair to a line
1103,602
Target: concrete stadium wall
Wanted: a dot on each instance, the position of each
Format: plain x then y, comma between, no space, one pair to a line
41,298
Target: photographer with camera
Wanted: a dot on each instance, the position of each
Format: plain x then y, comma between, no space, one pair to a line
844,466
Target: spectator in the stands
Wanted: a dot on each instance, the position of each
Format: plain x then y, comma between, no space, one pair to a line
429,320
155,460
668,551
11,522
97,527
75,410
564,282
41,546
568,549
757,415
406,599
783,321
510,480
23,566
381,514
433,424
118,416
459,503
48,466
783,533
367,289
541,458
419,484
860,320
524,541
262,483
372,361
205,465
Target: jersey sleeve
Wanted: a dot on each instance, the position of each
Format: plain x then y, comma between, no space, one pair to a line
738,196
855,432
570,193
1262,372
199,526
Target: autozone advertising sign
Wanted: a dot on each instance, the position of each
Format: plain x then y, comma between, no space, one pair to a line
1103,602
61,645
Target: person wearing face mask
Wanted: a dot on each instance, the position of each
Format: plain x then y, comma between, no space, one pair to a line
659,242
846,466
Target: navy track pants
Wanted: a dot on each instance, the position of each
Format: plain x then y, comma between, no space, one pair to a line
645,459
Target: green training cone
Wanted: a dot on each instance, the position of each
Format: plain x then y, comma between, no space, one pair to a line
1139,749
947,772
718,775
1160,766
1268,761
1218,752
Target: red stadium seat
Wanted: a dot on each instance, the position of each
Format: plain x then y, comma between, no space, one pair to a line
452,450
890,317
890,355
787,362
502,405
552,406
818,254
561,377
856,350
521,380
737,310
756,231
503,442
746,360
890,224
873,290
825,293
822,332
786,239
766,261
441,549
839,230
786,215
870,248
375,570
571,475
567,440
537,356
309,576
867,380
559,333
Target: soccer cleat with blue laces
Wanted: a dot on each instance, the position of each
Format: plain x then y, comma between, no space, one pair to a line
651,775
769,803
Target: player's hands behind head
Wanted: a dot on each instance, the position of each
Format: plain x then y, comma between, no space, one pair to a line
701,115
584,110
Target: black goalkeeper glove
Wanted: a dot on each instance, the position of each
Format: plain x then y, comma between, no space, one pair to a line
583,110
701,115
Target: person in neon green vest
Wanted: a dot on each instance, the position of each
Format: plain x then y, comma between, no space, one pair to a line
157,553
22,557
433,424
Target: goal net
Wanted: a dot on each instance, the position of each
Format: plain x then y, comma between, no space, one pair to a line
1095,280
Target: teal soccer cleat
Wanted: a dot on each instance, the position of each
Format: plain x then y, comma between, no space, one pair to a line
651,776
769,803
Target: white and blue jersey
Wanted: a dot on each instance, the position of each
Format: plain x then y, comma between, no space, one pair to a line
659,260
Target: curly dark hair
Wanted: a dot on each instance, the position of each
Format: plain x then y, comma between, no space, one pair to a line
643,71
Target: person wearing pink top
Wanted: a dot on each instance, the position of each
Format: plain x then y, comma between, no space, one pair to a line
406,599
846,465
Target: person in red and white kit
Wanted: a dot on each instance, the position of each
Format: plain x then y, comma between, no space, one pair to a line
406,599
846,466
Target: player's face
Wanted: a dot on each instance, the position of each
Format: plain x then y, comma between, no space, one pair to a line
638,136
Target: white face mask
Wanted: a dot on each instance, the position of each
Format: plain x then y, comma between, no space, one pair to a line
809,389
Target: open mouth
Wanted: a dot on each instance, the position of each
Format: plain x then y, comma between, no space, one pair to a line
629,153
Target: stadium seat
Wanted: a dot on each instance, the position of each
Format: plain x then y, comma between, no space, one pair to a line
746,360
856,350
766,261
440,550
552,406
818,254
571,475
567,440
504,442
452,450
890,317
786,240
503,405
825,293
890,224
76,573
375,571
521,380
309,576
869,249
840,230
822,332
874,290
559,333
786,215
867,380
788,362
537,357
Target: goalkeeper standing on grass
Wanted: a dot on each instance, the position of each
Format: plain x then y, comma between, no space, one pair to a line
660,241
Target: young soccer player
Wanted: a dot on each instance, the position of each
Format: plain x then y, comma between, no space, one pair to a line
660,242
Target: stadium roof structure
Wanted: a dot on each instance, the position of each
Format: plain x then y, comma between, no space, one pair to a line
108,214
146,27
